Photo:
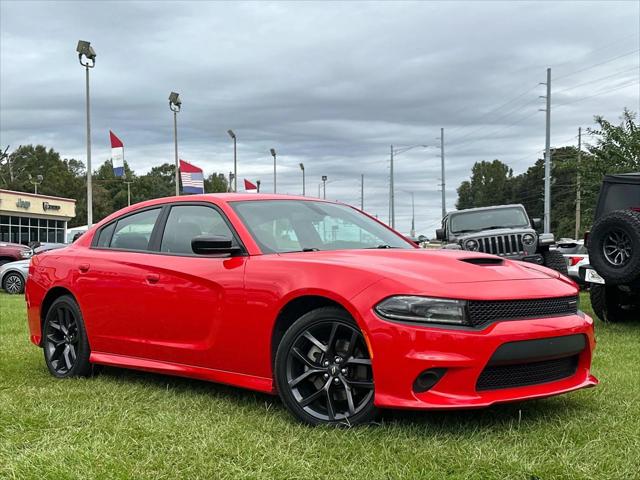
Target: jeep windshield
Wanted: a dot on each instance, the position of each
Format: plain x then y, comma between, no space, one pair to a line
490,219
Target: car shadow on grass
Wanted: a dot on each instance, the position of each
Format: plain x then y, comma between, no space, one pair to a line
496,418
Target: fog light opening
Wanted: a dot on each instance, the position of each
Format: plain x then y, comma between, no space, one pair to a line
427,379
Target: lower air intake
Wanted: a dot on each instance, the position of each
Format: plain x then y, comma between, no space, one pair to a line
523,374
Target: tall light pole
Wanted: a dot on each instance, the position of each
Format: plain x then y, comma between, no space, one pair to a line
324,187
235,161
87,58
35,182
174,105
392,206
578,193
303,181
444,198
413,217
362,192
273,154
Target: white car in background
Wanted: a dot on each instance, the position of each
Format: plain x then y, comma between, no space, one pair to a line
13,275
575,254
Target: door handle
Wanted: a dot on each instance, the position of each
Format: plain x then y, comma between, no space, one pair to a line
153,278
83,267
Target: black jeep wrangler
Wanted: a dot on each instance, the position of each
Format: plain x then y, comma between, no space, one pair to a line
613,245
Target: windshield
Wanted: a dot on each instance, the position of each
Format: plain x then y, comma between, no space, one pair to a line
299,225
485,219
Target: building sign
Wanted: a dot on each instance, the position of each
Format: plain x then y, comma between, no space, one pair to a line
23,203
49,206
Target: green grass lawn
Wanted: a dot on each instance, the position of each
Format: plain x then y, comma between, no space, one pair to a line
125,424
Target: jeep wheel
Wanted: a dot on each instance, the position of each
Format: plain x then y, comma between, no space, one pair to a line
610,304
614,246
555,260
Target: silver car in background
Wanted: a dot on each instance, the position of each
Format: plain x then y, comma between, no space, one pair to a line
13,275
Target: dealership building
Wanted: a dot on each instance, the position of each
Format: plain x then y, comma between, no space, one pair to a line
27,217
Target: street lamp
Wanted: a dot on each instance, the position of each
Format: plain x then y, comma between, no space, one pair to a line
324,187
273,154
392,205
235,161
87,58
35,182
174,105
303,182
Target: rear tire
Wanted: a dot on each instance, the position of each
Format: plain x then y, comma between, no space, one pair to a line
614,246
64,340
555,260
323,370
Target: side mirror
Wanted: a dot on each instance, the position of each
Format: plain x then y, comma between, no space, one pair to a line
537,223
211,245
422,238
440,234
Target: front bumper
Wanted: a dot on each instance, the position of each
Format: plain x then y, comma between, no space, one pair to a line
401,352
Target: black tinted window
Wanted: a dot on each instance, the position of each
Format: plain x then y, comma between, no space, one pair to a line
105,236
134,231
188,221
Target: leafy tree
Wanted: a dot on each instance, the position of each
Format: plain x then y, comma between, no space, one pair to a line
490,185
216,183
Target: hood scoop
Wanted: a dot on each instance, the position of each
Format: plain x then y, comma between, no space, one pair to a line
483,261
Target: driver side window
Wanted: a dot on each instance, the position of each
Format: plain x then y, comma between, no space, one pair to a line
188,221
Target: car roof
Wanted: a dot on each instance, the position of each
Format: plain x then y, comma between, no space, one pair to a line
491,207
633,177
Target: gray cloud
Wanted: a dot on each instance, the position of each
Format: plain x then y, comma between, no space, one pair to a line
327,84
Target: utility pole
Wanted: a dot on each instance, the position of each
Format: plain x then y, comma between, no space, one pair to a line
578,199
547,158
444,197
413,217
392,210
324,187
362,192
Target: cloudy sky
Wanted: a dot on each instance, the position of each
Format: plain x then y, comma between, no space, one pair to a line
332,85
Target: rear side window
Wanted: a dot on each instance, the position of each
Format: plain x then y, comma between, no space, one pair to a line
104,236
133,232
188,221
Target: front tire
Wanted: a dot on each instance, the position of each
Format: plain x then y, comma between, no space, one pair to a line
555,260
13,283
323,370
608,303
64,340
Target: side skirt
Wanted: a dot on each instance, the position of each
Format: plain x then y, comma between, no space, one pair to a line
251,382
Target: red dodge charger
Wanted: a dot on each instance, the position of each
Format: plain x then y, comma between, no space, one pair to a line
312,300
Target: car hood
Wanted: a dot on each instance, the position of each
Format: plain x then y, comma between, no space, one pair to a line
431,266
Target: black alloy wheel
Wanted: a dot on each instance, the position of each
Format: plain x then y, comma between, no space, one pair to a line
323,370
66,350
13,283
617,247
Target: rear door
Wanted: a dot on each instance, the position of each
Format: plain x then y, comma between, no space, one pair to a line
112,282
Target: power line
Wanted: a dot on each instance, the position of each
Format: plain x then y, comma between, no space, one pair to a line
597,79
598,64
619,87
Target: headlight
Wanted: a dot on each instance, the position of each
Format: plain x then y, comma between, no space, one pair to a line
26,253
471,245
423,310
528,239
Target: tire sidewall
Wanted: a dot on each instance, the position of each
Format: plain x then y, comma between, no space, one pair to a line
304,323
81,367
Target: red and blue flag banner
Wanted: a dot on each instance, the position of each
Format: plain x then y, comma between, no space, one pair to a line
117,155
191,177
248,186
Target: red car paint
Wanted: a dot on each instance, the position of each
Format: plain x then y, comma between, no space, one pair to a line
213,318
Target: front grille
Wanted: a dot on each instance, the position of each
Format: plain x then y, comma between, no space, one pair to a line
502,244
523,374
482,312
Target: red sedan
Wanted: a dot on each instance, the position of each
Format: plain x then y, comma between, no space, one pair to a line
312,300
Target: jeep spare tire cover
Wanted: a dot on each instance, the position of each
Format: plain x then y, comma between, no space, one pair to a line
614,246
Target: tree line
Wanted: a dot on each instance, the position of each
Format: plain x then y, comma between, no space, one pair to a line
610,148
63,177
